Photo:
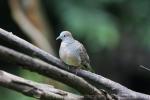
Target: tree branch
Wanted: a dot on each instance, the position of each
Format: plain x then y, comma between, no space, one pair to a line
43,68
33,89
121,91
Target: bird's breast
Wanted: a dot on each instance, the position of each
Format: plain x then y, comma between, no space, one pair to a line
69,55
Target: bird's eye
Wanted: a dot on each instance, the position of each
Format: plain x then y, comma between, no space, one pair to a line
64,35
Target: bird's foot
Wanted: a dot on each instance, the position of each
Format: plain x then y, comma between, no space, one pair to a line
74,69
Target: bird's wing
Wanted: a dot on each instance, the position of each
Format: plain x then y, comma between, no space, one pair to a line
85,61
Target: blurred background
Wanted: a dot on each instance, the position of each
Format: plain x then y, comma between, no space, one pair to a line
116,34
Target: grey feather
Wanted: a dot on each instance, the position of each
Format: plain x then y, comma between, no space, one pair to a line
72,52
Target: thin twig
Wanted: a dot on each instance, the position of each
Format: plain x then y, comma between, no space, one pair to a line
33,89
144,67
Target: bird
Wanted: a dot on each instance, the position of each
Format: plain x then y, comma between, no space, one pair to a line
72,52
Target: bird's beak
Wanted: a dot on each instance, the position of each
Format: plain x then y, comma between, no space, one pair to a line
58,38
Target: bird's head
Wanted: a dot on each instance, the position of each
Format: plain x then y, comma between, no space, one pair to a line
64,35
